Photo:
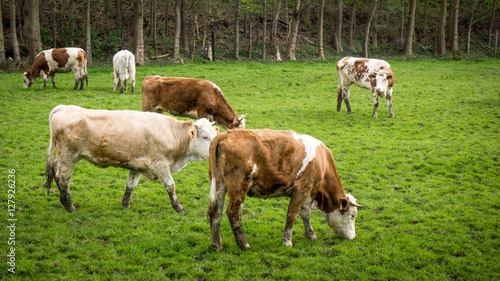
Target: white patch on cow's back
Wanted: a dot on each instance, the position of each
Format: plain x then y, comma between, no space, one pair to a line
310,145
217,87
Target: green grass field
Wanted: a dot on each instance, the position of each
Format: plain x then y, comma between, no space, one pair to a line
429,178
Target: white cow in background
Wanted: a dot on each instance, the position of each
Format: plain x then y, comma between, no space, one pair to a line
123,68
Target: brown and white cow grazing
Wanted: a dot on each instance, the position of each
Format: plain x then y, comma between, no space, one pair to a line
150,144
49,62
372,74
267,163
189,97
123,68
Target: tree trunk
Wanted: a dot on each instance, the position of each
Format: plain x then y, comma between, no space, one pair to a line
375,31
2,41
264,26
153,24
13,33
193,37
426,6
250,35
275,23
490,29
88,44
441,40
321,53
184,34
454,28
119,20
306,14
473,10
177,36
139,32
410,29
352,22
35,43
373,8
165,27
54,27
338,26
292,40
237,32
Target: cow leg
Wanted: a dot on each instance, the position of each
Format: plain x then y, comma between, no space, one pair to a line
375,104
123,83
234,214
346,93
389,104
296,202
64,170
165,177
132,180
216,218
305,214
116,80
53,78
339,98
132,80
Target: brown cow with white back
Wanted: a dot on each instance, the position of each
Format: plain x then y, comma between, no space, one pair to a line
49,62
268,163
372,74
189,97
145,143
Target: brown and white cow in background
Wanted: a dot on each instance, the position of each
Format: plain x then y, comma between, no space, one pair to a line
267,163
49,62
189,97
150,144
123,68
372,74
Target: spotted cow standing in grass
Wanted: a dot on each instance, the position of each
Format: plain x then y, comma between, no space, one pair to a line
49,62
267,163
372,74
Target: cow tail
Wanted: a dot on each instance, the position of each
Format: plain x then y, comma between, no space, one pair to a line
212,168
50,170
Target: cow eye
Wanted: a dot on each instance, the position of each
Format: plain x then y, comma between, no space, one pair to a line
205,137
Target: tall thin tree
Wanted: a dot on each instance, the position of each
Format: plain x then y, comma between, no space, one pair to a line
366,39
2,41
119,20
352,22
441,40
410,30
321,53
153,24
13,33
177,35
292,39
184,33
264,28
492,21
237,32
454,28
35,42
139,32
88,42
338,26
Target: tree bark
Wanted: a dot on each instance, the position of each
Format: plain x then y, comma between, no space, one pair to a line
2,41
490,29
177,36
321,53
119,20
373,8
237,32
352,21
410,29
338,26
139,32
54,27
375,31
13,33
184,34
153,24
473,10
264,27
454,28
250,35
88,42
275,23
35,43
441,40
292,40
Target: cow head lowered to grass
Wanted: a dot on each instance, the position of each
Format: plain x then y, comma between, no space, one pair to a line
267,163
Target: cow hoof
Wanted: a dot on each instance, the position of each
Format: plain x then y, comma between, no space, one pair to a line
287,243
312,237
71,209
245,246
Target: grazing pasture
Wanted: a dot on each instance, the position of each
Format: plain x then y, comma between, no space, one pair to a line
429,180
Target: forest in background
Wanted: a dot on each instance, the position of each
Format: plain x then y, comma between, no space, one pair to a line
267,30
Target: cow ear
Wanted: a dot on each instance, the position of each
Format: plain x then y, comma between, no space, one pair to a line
193,132
343,205
241,117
